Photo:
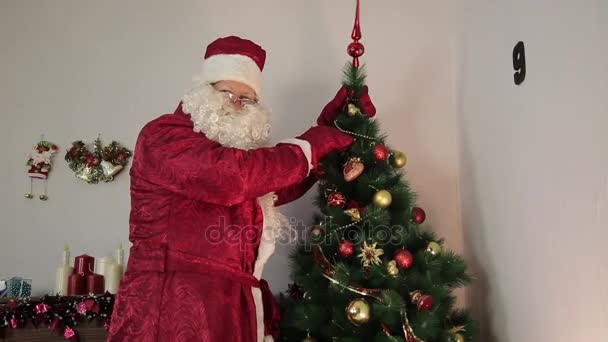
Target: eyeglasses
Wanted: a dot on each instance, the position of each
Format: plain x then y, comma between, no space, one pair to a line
245,101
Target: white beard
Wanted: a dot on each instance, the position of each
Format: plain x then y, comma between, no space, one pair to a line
248,128
214,116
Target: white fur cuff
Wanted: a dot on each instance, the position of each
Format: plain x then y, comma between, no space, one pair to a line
306,149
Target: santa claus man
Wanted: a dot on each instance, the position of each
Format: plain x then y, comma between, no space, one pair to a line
204,187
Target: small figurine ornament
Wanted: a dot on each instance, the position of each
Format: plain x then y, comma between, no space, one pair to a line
39,163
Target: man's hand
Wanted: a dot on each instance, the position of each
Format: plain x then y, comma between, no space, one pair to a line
324,140
331,110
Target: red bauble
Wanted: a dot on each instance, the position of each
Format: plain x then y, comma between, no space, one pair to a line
355,49
418,215
426,303
336,199
422,301
352,204
380,152
404,259
346,249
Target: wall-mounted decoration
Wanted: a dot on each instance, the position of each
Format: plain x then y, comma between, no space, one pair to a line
519,63
103,164
39,165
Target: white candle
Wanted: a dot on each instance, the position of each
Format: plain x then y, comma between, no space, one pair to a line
66,255
63,272
102,268
120,254
113,276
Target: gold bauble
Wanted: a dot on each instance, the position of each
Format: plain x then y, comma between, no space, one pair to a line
383,199
457,338
399,159
358,311
392,268
434,248
28,195
353,110
316,232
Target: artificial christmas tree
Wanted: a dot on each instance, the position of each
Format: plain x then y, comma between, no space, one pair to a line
369,271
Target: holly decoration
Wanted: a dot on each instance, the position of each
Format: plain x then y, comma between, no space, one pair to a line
102,164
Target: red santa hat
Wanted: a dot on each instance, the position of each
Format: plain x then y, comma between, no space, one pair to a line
234,59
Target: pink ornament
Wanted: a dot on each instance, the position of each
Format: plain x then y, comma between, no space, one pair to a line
14,323
42,308
81,308
54,324
69,333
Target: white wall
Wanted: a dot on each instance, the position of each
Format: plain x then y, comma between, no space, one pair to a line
535,167
72,69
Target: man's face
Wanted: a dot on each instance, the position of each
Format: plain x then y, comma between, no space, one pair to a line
238,93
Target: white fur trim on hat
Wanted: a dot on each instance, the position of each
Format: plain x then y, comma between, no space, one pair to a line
232,68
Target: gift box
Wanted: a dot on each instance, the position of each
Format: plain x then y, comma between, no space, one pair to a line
2,288
17,287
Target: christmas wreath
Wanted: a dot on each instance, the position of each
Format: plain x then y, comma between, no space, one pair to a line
102,164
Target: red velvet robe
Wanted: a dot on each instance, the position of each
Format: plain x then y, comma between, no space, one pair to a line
195,224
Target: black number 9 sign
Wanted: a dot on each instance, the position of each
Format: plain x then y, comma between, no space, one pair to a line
519,63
